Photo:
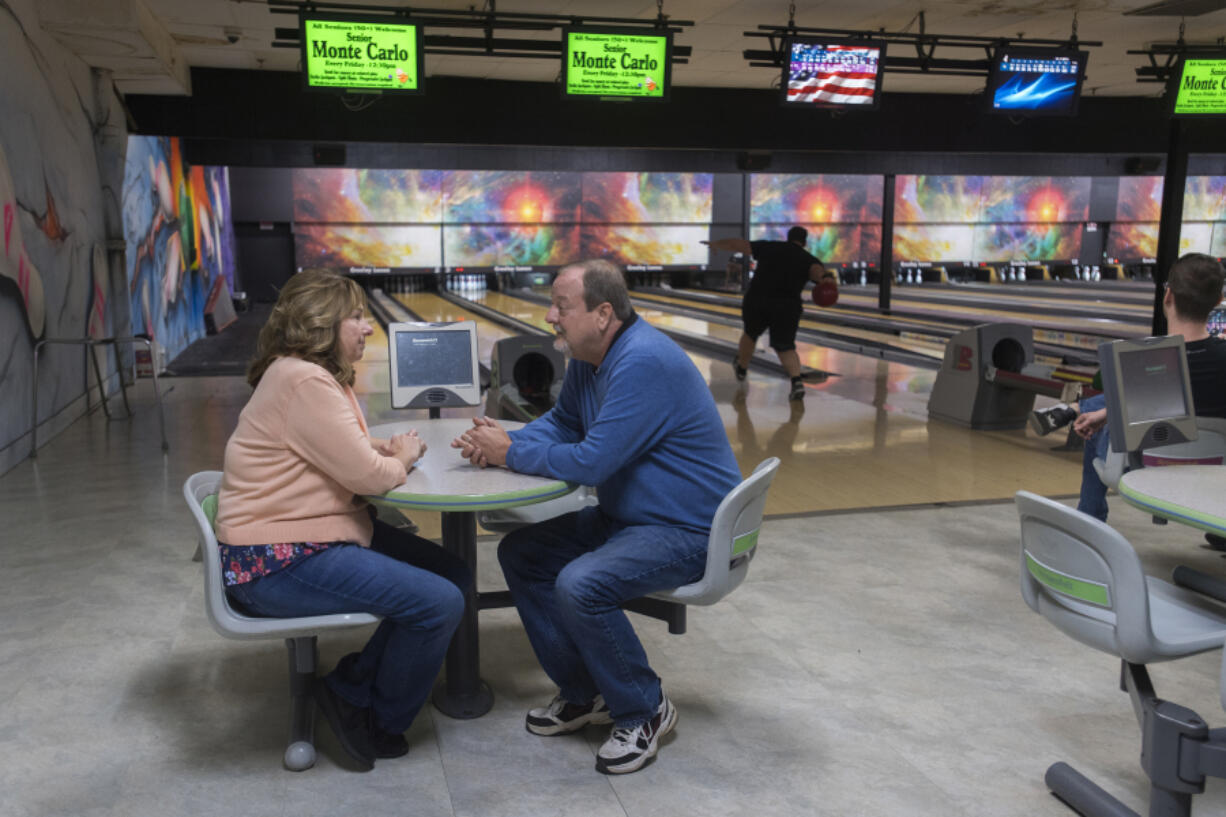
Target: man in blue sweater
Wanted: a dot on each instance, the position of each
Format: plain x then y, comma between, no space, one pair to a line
636,419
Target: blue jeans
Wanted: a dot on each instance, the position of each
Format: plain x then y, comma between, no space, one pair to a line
1093,500
417,588
569,576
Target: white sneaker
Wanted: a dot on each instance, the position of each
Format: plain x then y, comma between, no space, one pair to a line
562,717
628,748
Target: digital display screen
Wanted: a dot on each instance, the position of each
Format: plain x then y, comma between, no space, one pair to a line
442,358
832,73
610,63
1217,322
1200,89
1153,381
361,54
1036,82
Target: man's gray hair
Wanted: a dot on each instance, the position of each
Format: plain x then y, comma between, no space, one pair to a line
604,281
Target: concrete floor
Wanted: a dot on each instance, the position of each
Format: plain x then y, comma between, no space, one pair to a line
874,663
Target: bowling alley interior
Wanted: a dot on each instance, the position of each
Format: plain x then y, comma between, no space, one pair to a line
925,626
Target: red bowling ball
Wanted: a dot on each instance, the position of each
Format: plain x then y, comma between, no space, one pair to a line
825,293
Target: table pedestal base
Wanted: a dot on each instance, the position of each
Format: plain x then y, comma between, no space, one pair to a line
463,694
463,705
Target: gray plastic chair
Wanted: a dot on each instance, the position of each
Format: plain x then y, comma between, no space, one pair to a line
200,492
732,544
733,540
1209,448
1086,579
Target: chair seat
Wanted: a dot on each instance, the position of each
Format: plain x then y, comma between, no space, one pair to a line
1184,622
240,627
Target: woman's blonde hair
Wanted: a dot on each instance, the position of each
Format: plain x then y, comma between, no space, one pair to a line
305,324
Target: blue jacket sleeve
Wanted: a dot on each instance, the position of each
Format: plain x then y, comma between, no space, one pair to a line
561,424
630,421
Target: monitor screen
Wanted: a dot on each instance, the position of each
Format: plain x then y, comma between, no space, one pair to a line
434,364
1153,382
361,54
1036,82
1199,86
435,358
610,63
832,73
1217,321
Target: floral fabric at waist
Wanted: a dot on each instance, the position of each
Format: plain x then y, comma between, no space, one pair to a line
243,563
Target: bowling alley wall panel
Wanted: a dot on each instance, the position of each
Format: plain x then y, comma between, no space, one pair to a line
450,219
842,213
972,219
179,238
61,171
1133,235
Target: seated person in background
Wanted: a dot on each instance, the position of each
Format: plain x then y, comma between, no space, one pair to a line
296,537
1193,289
636,419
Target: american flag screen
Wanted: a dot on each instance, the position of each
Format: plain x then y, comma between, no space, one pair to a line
833,74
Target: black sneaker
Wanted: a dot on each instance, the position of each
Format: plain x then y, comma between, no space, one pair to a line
350,724
562,717
629,748
1045,421
739,370
798,391
388,745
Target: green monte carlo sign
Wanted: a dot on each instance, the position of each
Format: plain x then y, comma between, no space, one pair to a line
618,64
1201,89
361,54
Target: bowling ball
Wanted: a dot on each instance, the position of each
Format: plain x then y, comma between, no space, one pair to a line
826,293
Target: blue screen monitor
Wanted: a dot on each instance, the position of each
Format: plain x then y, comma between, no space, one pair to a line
1035,81
1217,321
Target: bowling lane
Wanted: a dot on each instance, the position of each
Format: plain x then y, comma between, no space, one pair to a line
856,302
1058,301
980,311
928,346
534,314
431,307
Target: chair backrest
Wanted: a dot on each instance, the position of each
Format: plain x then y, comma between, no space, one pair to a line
733,540
1085,578
200,492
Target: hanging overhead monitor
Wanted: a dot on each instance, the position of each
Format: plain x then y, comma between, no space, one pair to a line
1035,81
616,63
1198,86
361,54
826,73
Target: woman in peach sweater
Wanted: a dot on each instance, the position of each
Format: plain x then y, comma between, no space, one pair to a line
297,538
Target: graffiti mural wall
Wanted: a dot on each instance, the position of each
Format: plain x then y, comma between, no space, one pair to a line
61,165
180,240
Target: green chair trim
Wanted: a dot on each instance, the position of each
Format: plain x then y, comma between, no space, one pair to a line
1085,590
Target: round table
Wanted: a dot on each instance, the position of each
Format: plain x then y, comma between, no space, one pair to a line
1192,494
443,481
